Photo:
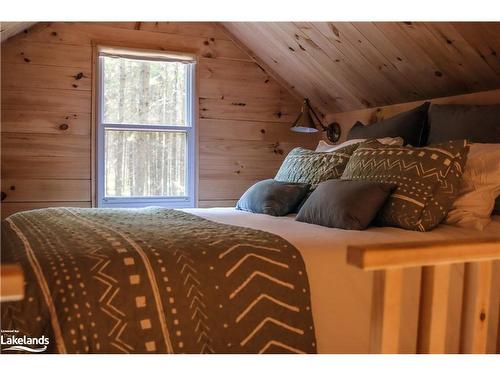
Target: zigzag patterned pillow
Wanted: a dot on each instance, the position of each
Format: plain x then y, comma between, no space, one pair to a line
311,167
427,180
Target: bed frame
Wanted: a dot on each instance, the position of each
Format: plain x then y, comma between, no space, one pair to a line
455,289
434,297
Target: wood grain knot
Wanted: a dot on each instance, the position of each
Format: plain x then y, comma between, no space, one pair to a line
63,127
79,76
276,149
482,316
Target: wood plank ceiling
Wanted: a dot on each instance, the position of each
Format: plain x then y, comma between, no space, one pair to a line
9,29
344,66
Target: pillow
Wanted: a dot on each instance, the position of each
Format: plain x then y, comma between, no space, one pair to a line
496,210
477,123
310,167
479,189
345,204
272,197
326,147
409,125
427,180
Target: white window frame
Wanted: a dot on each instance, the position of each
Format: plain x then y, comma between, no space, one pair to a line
190,129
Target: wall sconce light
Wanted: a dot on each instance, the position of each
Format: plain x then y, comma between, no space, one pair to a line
305,123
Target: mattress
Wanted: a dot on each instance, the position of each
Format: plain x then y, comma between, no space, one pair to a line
340,293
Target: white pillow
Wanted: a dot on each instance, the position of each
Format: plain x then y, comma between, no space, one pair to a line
326,147
480,187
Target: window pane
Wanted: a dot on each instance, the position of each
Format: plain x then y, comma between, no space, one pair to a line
144,92
145,163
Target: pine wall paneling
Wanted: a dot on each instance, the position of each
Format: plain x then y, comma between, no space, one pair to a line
243,118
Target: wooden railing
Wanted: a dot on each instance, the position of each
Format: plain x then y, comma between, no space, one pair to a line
457,295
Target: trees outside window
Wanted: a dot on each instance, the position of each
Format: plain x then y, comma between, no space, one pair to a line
145,130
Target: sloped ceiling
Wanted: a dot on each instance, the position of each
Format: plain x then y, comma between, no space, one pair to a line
344,66
9,29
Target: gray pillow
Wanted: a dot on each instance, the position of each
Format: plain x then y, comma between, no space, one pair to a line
410,125
272,197
496,209
476,123
345,204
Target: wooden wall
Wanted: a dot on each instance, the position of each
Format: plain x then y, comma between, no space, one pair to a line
243,113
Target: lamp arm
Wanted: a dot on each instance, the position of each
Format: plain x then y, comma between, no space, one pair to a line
315,115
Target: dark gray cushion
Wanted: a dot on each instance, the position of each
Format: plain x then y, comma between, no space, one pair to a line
496,209
272,197
410,125
476,123
345,204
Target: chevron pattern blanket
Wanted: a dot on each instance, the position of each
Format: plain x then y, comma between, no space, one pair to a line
155,281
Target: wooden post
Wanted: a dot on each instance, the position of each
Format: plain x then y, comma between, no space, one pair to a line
476,307
491,346
386,311
11,283
434,308
498,333
439,325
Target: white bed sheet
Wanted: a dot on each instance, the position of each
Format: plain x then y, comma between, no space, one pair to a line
340,294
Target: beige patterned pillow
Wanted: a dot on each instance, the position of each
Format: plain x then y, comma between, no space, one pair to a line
427,179
311,167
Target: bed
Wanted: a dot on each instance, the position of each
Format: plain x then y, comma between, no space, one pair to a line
340,294
334,317
223,280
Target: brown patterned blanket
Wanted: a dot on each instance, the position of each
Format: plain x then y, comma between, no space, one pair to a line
155,280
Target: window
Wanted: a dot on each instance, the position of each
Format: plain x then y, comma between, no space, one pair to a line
145,135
